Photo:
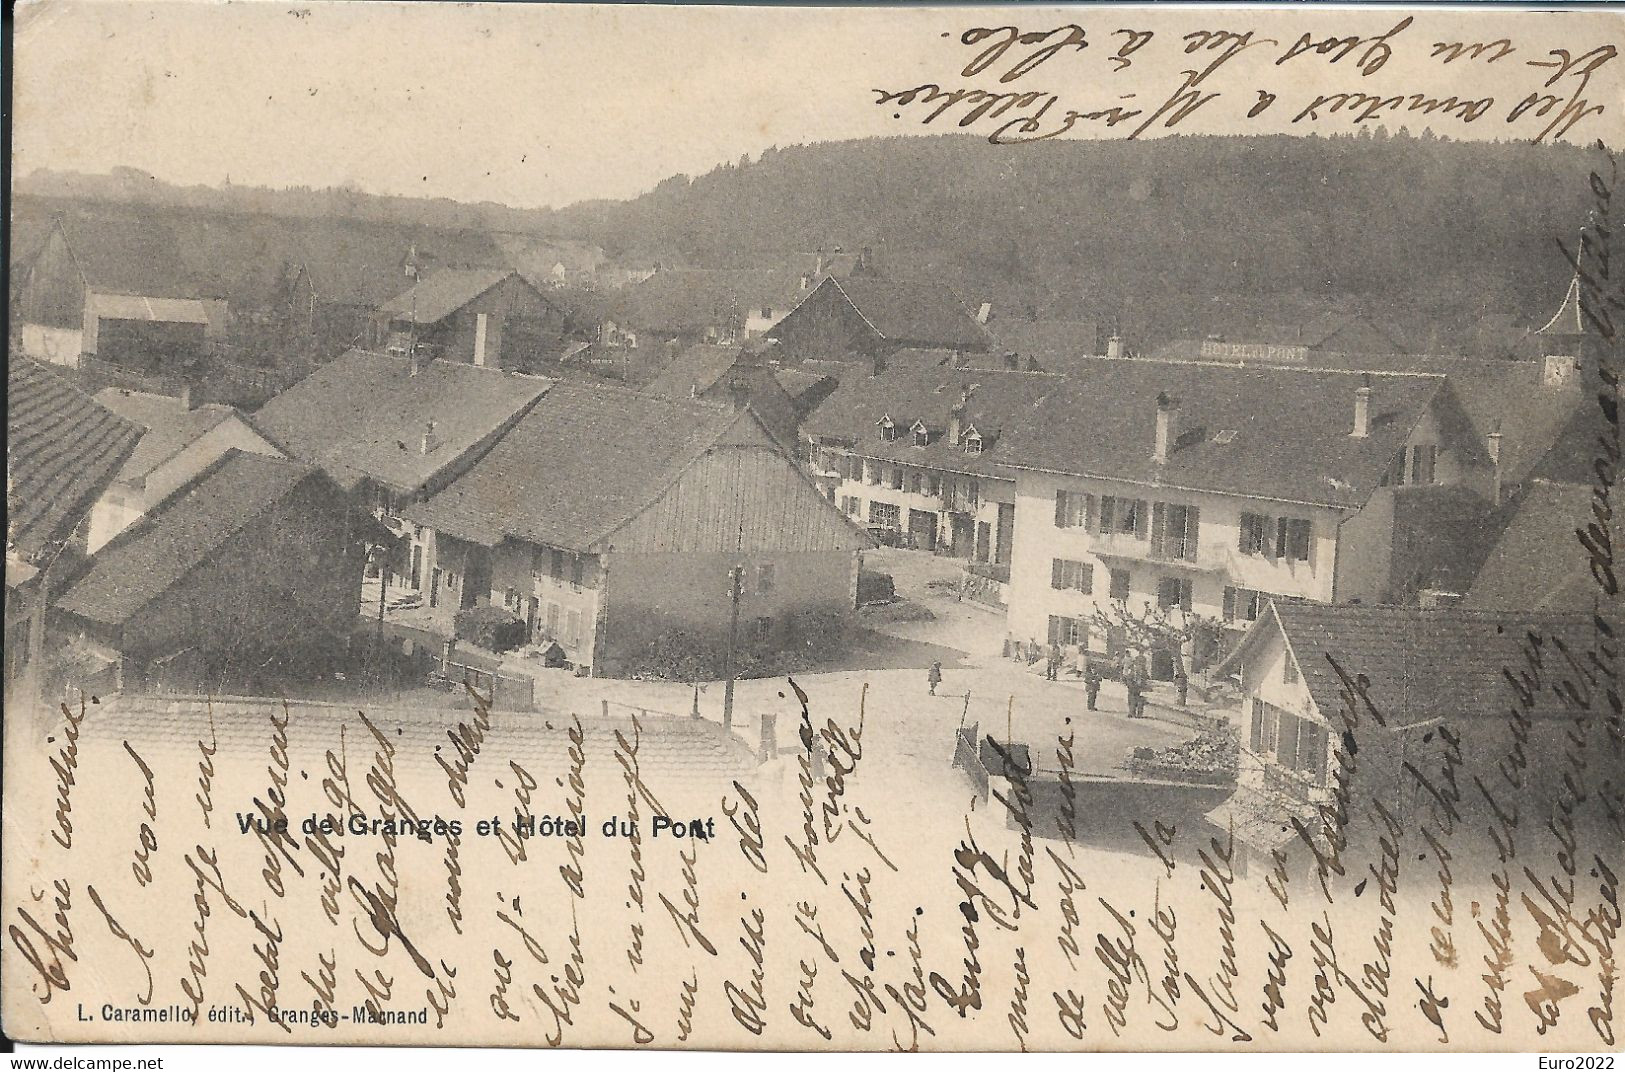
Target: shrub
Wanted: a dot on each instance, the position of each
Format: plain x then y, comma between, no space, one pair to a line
492,628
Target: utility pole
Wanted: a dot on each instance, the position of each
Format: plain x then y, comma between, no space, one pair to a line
736,582
383,591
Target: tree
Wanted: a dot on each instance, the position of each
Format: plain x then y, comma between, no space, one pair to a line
1171,629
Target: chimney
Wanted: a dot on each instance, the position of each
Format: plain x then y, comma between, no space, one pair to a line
418,360
1114,346
1492,444
185,396
818,268
984,312
1362,409
956,416
431,441
1167,426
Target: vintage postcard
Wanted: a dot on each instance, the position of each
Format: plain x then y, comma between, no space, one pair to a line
734,528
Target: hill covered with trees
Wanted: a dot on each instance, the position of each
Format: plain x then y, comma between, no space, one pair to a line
1166,238
1163,238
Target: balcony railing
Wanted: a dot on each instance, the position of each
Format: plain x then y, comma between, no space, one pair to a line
1291,784
1173,550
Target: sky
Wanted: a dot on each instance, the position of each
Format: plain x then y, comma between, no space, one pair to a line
536,105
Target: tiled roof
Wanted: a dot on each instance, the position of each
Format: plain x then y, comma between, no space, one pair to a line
584,460
693,371
1422,664
181,533
365,415
908,392
129,255
912,313
800,384
170,426
676,754
1039,339
1273,433
690,299
1497,394
443,292
62,451
1531,558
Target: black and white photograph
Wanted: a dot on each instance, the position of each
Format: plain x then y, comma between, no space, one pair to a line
999,528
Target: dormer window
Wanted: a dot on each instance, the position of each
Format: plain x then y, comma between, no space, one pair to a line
973,441
922,435
888,429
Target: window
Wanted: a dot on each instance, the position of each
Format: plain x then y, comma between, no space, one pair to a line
1072,509
1174,531
1066,574
1243,604
1069,631
1266,721
888,429
1294,539
764,578
916,482
763,628
851,505
1422,463
973,494
1255,534
553,620
933,485
1124,517
1174,592
897,478
885,514
557,569
1395,476
973,444
577,569
1119,584
1293,742
572,631
510,598
922,435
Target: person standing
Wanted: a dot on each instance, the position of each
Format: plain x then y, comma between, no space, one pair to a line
933,677
1134,685
1052,664
1091,678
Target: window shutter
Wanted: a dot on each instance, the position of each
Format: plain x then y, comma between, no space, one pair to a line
1258,725
1191,527
1242,543
1280,537
1054,628
1159,525
1229,604
1185,595
1086,578
1089,512
1055,578
1309,543
1286,741
1060,510
1140,519
1108,506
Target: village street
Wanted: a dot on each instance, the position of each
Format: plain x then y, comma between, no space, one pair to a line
903,722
